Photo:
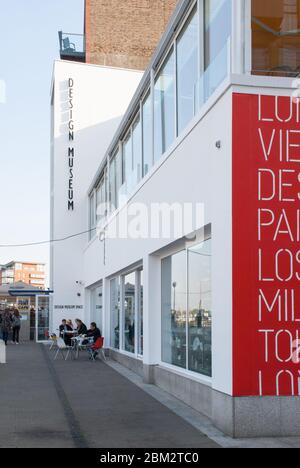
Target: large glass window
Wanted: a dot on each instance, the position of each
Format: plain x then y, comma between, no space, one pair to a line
187,71
186,309
182,85
115,303
115,180
164,107
276,37
128,165
97,307
129,313
217,32
174,301
132,157
101,199
147,134
137,151
199,308
92,215
112,184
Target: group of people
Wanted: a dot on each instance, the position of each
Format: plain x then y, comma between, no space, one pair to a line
10,324
68,330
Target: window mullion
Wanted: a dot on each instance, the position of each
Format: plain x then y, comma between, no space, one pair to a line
201,14
187,310
122,313
175,88
152,113
136,313
142,138
248,37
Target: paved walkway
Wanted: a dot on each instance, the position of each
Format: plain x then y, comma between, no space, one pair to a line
82,404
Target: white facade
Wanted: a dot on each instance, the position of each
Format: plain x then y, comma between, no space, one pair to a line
195,168
100,98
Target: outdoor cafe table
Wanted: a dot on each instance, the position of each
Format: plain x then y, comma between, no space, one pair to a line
78,346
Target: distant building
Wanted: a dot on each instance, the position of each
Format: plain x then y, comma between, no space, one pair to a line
118,34
27,272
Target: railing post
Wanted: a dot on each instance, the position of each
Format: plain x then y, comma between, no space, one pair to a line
60,40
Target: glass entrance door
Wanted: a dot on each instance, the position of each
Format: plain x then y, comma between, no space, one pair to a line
42,318
97,307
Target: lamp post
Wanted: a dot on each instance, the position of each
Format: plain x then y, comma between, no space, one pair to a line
174,296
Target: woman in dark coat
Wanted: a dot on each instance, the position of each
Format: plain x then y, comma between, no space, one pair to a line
81,327
6,325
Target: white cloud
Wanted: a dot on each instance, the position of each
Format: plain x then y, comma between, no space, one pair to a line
2,92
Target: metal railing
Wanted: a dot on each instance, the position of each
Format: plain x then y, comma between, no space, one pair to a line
72,46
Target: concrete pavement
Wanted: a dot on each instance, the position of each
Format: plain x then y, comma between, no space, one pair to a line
82,404
46,403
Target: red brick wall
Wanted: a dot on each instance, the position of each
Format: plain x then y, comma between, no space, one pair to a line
125,33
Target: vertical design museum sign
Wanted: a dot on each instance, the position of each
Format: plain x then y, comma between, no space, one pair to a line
266,246
71,149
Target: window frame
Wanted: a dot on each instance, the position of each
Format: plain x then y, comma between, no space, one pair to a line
92,211
198,10
102,182
121,281
171,50
147,95
128,134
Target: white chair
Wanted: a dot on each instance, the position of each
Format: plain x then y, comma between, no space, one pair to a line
53,341
61,348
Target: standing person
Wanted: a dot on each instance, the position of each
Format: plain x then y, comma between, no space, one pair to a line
16,326
6,325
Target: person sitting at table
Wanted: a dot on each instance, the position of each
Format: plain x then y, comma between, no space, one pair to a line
94,332
70,323
81,327
93,335
63,332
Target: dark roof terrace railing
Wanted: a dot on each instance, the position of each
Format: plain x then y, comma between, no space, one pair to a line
72,46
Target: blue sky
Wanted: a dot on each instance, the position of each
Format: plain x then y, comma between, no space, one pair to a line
28,47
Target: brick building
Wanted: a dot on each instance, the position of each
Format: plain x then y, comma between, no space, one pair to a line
118,34
27,272
124,34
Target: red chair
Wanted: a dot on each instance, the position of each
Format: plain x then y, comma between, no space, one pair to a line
97,348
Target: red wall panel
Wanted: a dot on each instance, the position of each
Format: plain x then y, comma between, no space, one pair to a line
266,245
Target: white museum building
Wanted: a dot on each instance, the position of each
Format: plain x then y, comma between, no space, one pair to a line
175,211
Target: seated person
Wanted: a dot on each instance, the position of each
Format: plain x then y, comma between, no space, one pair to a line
81,327
94,332
63,329
70,323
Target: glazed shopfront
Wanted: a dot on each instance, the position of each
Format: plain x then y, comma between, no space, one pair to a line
34,307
